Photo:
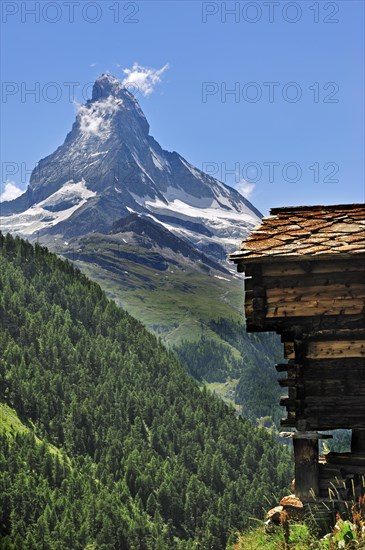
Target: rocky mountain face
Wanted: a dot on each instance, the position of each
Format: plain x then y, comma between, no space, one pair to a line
109,167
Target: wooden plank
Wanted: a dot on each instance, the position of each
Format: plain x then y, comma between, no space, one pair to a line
283,367
341,411
332,383
327,388
316,266
313,289
333,349
314,309
315,301
311,380
305,435
342,414
333,423
304,281
286,423
289,383
308,323
338,334
330,365
357,459
318,420
352,404
323,294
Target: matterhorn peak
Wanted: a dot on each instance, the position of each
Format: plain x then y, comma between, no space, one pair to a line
108,86
109,167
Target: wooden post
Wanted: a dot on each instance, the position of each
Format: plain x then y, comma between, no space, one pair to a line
240,267
358,441
306,467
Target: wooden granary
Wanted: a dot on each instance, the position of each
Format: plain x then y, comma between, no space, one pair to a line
305,279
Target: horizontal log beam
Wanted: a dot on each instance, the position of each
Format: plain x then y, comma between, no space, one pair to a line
324,293
315,308
333,423
333,363
303,281
283,367
292,404
324,420
310,323
333,388
316,266
339,334
333,349
289,383
288,422
305,435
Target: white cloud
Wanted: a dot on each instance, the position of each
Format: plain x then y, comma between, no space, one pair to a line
11,192
90,120
94,119
143,79
245,188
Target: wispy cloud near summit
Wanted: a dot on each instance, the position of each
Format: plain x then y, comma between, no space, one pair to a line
144,79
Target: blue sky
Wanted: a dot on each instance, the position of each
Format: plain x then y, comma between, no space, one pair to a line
291,132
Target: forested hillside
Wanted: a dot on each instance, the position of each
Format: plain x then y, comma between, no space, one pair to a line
118,447
249,358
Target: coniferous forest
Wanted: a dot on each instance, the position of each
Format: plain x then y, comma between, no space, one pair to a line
116,446
257,391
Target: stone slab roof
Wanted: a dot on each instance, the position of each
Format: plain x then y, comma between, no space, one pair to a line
305,232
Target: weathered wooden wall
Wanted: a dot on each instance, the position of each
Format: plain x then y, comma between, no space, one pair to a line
318,308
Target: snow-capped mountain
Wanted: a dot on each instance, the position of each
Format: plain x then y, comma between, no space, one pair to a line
109,167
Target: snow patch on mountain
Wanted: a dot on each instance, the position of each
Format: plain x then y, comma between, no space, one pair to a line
224,221
211,213
56,208
159,161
